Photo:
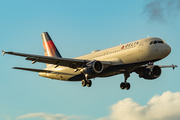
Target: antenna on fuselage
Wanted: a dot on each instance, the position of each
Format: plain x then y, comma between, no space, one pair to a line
148,36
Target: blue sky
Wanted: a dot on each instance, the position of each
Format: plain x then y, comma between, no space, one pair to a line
78,27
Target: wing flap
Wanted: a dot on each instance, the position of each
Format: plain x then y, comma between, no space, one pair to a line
57,61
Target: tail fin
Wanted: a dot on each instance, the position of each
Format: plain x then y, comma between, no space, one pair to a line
49,47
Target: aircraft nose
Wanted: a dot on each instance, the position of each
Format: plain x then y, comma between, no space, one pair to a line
168,49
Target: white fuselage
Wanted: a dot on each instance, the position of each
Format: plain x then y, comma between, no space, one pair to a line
143,50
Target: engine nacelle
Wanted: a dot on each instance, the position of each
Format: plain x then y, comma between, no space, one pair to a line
93,67
150,73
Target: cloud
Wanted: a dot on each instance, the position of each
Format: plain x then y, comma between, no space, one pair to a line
5,117
48,116
164,107
161,10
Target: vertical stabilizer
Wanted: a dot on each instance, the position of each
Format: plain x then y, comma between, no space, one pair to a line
49,47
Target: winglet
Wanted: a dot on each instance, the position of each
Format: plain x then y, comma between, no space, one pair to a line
3,52
174,66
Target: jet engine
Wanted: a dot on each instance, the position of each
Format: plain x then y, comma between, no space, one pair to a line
150,72
93,67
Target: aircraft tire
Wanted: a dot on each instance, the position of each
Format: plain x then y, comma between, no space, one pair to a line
83,82
123,85
128,86
89,83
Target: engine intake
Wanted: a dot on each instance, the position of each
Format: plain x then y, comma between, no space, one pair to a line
93,67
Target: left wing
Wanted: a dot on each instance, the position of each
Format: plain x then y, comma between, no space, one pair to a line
167,66
161,66
67,62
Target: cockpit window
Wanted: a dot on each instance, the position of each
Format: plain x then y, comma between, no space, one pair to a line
160,42
151,42
155,42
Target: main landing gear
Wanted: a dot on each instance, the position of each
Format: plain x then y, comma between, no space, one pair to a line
87,83
125,85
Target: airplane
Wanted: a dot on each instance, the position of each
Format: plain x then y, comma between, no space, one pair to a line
137,56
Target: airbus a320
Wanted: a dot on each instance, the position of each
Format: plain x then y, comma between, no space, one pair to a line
138,56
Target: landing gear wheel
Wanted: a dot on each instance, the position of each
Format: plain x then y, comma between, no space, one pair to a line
84,82
122,85
89,83
128,86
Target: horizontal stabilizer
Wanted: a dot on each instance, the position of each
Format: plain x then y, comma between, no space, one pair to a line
32,70
39,70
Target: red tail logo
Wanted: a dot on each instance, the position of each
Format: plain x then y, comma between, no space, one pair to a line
49,47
